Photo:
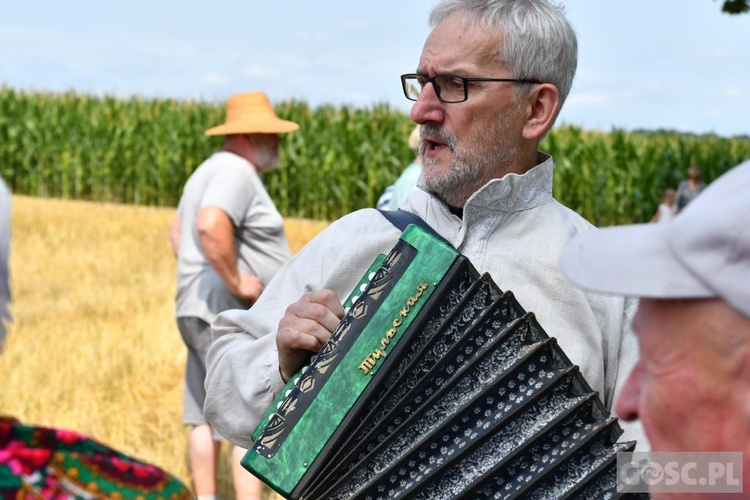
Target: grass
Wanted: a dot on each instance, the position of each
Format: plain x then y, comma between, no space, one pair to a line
94,346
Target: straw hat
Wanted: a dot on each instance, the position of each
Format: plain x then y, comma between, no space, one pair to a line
251,113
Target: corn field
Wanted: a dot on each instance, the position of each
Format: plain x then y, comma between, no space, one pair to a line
141,151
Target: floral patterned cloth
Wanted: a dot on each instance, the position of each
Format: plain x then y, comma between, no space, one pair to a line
46,463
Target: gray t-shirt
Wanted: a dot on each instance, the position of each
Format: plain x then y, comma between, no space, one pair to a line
229,182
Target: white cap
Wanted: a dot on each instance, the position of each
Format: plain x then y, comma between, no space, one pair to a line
703,252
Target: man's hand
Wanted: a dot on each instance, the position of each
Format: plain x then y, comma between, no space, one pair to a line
249,287
305,327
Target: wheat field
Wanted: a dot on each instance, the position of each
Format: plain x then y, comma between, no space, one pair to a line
94,346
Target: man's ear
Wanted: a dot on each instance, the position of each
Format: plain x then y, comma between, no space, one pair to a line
541,107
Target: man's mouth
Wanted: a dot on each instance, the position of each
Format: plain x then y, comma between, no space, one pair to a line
433,145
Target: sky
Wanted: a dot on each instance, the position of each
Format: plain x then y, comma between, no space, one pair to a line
643,64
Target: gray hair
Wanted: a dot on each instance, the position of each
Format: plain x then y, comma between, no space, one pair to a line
538,41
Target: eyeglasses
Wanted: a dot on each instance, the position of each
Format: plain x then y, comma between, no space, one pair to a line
448,88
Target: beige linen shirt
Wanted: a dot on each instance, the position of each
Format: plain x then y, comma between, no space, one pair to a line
512,228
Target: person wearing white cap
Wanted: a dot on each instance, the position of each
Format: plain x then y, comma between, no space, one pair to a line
691,386
228,238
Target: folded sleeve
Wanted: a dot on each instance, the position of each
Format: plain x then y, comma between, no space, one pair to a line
242,380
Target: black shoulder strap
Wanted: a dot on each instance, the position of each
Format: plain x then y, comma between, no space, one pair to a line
401,219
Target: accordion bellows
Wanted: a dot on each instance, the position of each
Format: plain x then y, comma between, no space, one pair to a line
437,384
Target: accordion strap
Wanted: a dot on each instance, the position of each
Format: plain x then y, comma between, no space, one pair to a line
401,219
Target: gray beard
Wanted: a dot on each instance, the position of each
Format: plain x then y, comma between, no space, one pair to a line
267,158
473,165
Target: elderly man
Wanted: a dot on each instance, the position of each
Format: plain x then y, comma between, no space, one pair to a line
489,84
228,238
691,387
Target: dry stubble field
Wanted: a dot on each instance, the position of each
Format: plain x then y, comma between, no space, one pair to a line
94,346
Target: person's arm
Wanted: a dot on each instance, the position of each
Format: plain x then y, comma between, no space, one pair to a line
216,236
243,375
174,235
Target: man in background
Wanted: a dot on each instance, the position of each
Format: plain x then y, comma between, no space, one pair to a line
228,238
691,386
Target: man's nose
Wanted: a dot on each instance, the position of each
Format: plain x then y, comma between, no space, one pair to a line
628,402
428,108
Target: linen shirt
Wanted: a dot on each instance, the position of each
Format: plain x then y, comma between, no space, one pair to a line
511,228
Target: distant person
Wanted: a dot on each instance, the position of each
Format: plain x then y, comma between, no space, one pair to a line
667,208
48,463
5,294
691,386
689,188
228,238
395,194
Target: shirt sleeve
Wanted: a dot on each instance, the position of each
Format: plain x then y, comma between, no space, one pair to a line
232,192
242,377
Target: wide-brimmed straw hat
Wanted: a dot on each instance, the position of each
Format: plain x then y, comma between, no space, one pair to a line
251,113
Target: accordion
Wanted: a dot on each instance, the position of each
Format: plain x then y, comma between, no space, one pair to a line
436,384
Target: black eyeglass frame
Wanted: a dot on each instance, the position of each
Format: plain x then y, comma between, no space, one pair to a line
464,79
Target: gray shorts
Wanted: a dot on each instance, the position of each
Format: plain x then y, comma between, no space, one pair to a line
196,334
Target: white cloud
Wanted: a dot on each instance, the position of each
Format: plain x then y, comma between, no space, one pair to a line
308,36
213,79
355,26
588,99
262,72
736,93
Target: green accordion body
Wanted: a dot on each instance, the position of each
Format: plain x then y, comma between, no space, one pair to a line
436,384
